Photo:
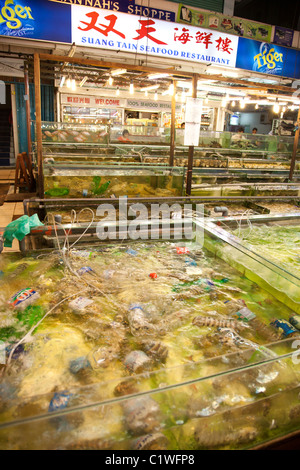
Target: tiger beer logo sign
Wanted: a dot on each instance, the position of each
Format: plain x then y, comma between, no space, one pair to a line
13,15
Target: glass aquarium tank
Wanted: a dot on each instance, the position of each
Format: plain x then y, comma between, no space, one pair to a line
268,261
155,345
71,133
151,145
277,237
73,182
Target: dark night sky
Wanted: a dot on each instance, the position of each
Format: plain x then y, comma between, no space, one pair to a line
277,12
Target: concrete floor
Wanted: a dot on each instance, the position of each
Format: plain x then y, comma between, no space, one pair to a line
9,210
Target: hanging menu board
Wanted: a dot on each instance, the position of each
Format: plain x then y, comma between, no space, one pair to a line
193,115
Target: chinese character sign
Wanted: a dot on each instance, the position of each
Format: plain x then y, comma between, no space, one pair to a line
98,28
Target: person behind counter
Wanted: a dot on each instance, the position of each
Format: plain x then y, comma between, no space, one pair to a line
256,143
125,137
239,136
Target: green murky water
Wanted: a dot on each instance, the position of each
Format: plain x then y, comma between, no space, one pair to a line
280,244
133,332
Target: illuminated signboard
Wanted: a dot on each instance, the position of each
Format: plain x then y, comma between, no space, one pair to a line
65,21
124,6
51,19
35,19
119,32
268,58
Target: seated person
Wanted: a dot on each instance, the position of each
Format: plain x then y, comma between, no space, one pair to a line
125,137
256,143
239,136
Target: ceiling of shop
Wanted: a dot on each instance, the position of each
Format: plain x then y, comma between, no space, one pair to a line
215,81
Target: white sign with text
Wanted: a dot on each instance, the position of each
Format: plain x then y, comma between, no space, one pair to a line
111,30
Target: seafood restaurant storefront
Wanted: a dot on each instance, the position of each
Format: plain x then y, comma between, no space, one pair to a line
121,35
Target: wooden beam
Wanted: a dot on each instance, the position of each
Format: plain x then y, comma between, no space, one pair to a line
113,65
263,86
172,71
27,93
38,123
173,122
295,148
191,148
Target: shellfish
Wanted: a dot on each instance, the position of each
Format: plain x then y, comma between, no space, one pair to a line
94,444
138,323
142,415
155,441
217,322
263,330
212,437
294,413
156,350
126,387
102,357
137,362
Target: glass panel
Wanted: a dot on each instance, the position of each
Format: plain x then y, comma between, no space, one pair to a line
284,285
234,410
65,133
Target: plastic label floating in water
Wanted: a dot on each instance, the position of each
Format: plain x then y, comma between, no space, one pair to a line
59,401
182,250
245,314
84,270
132,252
190,262
23,298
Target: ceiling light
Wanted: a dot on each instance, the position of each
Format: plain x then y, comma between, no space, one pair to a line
72,50
230,74
155,76
256,106
224,101
118,91
233,103
206,100
171,89
131,88
69,83
83,81
276,108
62,81
242,104
149,88
146,92
118,72
73,85
110,81
156,96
